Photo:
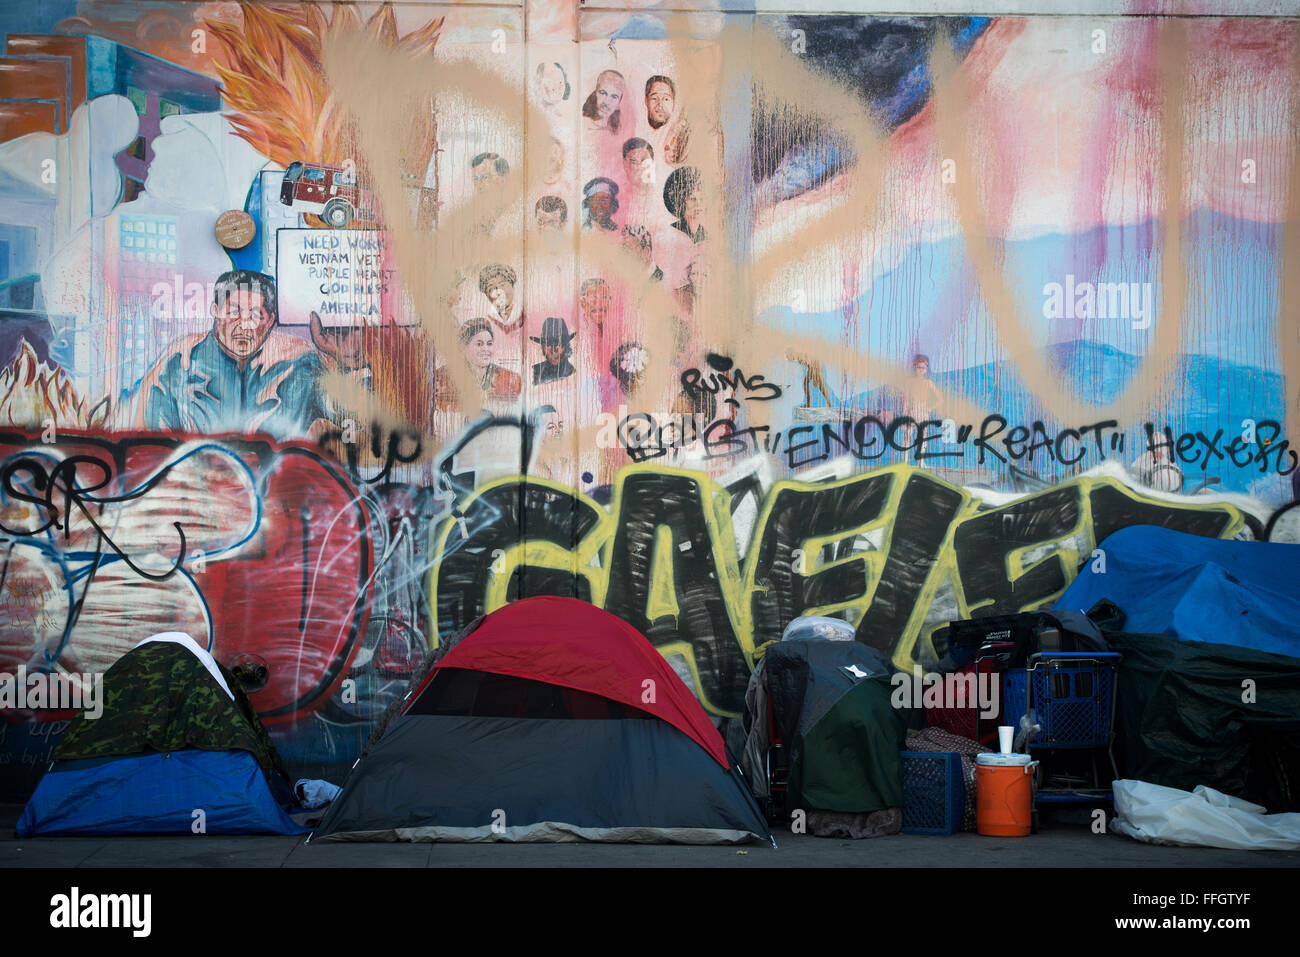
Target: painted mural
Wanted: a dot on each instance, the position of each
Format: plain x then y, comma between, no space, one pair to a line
327,328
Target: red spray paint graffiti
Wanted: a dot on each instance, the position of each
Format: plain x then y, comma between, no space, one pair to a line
254,548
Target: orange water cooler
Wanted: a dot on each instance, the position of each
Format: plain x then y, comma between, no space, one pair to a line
1004,794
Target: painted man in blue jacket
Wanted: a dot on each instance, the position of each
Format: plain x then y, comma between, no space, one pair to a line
242,376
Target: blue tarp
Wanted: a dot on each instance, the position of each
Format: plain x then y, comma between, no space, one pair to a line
156,793
1196,588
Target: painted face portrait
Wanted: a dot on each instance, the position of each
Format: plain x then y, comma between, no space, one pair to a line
552,83
603,106
487,174
639,167
555,161
595,303
609,93
502,296
554,354
242,322
600,205
551,212
659,104
478,351
684,199
693,206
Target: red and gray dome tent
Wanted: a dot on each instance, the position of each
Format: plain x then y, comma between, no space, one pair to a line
552,720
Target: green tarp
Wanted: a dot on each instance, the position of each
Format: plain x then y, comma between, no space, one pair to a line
831,706
1190,713
849,759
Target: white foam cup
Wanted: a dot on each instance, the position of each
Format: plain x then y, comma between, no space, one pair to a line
1006,734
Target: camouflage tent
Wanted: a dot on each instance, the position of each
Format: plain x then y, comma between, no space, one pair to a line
163,696
169,745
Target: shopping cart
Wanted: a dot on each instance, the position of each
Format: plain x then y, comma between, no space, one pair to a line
1063,708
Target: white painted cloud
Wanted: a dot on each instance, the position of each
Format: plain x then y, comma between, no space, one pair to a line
199,164
75,169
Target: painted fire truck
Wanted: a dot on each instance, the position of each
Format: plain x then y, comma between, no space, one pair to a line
331,192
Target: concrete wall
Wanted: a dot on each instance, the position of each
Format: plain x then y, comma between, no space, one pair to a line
1076,218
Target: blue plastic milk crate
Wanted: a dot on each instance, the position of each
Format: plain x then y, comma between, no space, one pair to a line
1072,694
934,796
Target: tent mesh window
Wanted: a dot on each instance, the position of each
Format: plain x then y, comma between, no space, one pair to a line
458,691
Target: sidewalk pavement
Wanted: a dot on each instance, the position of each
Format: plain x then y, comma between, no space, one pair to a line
1055,846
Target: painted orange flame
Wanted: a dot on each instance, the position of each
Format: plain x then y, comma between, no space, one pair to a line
281,102
272,78
34,394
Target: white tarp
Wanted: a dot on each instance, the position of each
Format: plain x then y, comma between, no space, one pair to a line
1201,818
313,793
180,638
